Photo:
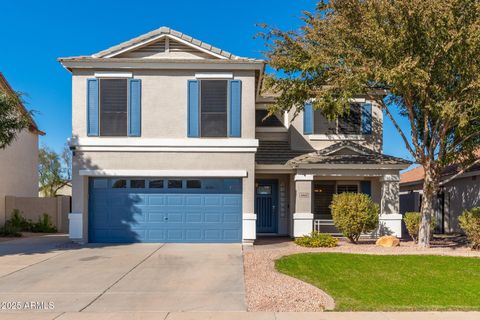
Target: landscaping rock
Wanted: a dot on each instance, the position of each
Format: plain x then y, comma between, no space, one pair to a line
388,241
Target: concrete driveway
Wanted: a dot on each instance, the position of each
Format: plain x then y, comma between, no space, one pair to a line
121,278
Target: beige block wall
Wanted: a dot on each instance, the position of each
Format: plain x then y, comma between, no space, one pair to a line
299,141
460,195
18,170
159,161
34,207
164,102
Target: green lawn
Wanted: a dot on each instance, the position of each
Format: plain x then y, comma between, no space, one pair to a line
381,283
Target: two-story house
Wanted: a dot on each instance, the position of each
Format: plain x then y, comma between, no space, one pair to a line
171,144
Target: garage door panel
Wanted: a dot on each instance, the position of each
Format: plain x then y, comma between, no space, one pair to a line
167,215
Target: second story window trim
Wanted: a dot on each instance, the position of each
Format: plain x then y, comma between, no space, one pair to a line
113,105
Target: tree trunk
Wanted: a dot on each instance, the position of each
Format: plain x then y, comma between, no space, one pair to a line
427,210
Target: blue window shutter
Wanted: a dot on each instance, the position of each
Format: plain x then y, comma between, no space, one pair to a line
367,118
193,108
308,118
92,107
235,112
366,187
134,107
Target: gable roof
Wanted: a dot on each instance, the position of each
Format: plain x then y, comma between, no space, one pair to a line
361,155
5,86
279,152
417,174
162,32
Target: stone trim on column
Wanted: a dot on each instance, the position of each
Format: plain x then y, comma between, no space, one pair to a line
390,219
302,224
249,228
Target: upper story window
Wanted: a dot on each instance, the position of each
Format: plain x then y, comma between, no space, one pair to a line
213,108
261,119
346,124
113,107
358,121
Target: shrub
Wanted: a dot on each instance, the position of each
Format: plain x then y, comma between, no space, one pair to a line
9,230
354,214
44,224
18,221
470,223
317,239
412,222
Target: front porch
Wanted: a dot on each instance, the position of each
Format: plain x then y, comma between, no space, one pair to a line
314,194
299,187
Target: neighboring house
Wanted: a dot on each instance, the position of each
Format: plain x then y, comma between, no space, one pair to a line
171,144
18,161
456,196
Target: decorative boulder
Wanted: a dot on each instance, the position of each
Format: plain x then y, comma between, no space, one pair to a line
388,241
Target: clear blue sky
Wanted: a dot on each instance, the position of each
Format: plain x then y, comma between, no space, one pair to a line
36,33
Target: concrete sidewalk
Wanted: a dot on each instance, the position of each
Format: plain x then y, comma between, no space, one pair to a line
245,316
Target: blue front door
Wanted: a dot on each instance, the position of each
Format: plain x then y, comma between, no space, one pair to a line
266,206
123,210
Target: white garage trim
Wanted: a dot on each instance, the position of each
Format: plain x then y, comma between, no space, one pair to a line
165,173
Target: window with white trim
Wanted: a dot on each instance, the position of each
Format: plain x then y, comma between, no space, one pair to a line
349,123
113,107
213,108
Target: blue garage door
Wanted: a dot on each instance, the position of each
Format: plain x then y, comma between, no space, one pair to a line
124,210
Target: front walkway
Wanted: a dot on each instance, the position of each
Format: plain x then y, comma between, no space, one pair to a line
270,291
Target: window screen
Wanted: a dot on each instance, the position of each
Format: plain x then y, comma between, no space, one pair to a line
323,195
350,123
322,125
113,107
213,105
347,188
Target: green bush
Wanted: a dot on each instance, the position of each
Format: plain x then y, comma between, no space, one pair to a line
354,214
44,224
8,230
18,223
412,222
317,239
470,223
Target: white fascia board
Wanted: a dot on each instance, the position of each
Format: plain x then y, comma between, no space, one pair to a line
109,74
164,173
354,166
174,143
165,149
303,177
211,75
336,137
271,129
168,65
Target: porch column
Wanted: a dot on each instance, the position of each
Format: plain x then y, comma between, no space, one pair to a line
303,216
390,220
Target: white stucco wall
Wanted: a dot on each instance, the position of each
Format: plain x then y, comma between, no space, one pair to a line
18,170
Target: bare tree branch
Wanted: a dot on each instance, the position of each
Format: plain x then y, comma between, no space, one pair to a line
402,134
444,182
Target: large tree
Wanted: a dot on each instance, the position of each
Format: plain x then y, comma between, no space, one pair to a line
424,54
54,170
12,118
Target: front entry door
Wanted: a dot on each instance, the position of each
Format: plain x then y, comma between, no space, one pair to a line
266,206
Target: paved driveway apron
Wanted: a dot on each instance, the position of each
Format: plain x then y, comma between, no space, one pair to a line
137,277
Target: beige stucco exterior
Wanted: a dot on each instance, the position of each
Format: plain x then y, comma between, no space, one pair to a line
18,170
300,141
164,102
164,146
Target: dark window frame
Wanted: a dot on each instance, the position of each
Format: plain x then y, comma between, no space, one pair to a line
201,112
100,107
346,118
